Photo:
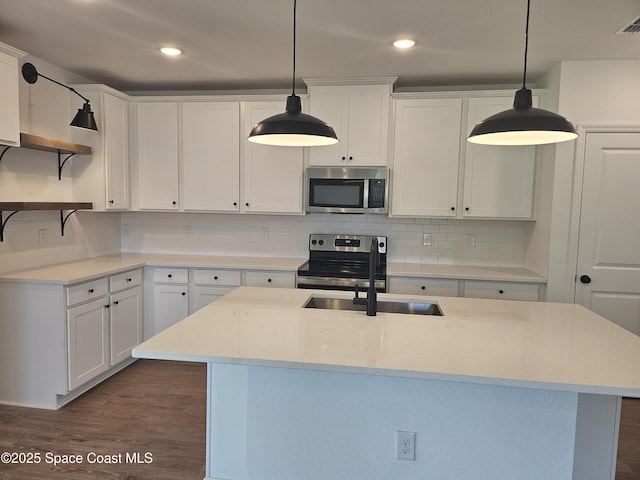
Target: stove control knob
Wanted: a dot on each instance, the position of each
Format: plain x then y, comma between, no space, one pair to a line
321,242
313,242
381,244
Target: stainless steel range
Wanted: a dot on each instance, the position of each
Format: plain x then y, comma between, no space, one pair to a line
340,262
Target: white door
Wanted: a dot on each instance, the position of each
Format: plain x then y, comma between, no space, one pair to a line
211,156
116,151
88,333
158,156
272,175
170,305
126,323
608,268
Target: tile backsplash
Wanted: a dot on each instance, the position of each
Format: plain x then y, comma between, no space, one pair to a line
461,242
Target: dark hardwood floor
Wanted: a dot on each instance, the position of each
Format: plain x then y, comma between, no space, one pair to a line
159,407
151,406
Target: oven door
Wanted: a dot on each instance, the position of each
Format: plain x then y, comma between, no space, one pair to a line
335,283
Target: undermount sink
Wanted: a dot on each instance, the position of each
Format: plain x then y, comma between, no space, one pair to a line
410,307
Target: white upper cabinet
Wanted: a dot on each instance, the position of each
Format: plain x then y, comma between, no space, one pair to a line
425,159
10,111
157,156
211,156
104,180
498,181
271,176
359,114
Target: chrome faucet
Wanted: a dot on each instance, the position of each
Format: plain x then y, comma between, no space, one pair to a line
372,295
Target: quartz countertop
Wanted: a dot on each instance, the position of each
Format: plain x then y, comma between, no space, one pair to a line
81,270
501,274
550,346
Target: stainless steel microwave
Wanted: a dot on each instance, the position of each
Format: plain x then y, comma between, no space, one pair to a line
347,189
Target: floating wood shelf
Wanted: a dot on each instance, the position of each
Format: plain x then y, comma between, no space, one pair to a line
34,142
15,207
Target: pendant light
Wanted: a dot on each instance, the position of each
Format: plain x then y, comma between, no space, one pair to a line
523,124
293,128
84,117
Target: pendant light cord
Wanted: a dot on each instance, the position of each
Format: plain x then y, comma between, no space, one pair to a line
526,45
293,82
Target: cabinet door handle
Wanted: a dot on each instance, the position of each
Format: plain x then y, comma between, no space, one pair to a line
586,279
235,204
107,306
184,293
350,158
344,158
91,290
246,204
129,280
500,292
111,202
268,280
453,209
169,275
423,287
467,208
116,302
215,278
174,203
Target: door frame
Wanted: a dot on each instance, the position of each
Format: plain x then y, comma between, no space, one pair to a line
576,199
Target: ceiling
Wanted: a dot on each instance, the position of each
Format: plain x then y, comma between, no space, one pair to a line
246,44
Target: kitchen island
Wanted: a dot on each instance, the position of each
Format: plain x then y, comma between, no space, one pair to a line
493,389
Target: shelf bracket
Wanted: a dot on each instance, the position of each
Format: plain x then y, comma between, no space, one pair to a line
4,222
4,151
62,162
64,218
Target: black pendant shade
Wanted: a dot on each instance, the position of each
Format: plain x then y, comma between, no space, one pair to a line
293,128
84,118
523,124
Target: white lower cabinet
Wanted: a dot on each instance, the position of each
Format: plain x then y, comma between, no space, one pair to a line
170,305
502,290
88,341
424,286
211,284
104,323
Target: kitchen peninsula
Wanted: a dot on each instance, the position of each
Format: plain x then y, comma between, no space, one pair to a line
492,388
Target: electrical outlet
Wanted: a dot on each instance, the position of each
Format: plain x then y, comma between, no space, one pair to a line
426,239
471,240
406,445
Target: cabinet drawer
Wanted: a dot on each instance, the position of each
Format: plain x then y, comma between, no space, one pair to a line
270,279
170,275
501,290
230,278
125,280
424,286
86,291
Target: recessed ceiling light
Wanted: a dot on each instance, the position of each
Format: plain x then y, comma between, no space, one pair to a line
171,51
404,43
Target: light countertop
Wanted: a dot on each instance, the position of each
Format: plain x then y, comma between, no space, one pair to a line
548,346
500,274
81,270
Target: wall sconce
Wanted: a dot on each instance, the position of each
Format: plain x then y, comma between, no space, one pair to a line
84,118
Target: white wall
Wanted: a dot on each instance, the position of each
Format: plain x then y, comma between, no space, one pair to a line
498,243
33,238
590,92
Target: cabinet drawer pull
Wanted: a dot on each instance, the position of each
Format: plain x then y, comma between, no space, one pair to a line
111,202
107,306
91,290
453,209
184,293
129,279
423,287
500,292
215,278
169,276
268,280
174,203
116,302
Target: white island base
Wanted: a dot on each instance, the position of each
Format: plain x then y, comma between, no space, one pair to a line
307,394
